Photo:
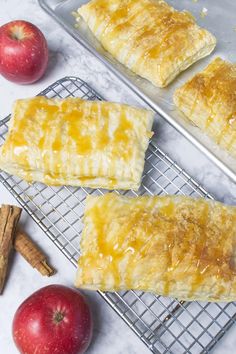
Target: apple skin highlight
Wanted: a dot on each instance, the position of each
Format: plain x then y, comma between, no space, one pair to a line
23,52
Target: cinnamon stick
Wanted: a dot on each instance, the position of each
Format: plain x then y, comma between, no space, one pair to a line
9,217
32,254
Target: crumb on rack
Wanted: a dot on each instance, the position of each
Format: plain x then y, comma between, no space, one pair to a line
204,12
74,13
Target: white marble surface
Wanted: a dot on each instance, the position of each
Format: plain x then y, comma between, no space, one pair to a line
111,334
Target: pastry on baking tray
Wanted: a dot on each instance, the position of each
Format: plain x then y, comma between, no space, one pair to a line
77,142
149,37
209,101
170,245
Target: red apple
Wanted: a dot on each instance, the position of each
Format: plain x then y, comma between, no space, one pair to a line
23,52
53,320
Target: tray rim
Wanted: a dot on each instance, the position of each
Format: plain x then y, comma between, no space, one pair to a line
175,124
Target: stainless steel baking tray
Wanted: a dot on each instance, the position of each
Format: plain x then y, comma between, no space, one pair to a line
219,18
165,325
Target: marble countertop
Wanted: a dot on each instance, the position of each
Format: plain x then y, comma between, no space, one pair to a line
111,334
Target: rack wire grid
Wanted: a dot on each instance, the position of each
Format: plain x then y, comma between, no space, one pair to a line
165,325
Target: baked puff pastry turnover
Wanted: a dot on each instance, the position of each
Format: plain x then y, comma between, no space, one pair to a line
209,101
77,142
149,37
170,245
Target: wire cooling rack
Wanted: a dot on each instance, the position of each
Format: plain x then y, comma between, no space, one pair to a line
164,325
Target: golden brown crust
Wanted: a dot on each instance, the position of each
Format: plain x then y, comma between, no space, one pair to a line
209,101
150,37
77,142
173,245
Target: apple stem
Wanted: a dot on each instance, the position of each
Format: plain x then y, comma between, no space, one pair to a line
17,33
58,317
